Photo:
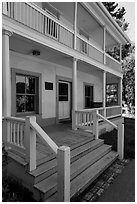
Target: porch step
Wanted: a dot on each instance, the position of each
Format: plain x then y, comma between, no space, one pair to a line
48,168
80,183
84,170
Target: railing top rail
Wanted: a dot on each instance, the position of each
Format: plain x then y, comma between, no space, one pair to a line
49,16
14,119
40,132
112,124
89,43
112,58
89,110
113,107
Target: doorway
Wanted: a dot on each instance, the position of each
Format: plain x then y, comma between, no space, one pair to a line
64,100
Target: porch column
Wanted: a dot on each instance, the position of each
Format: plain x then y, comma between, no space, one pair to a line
6,76
121,89
75,27
74,92
104,44
104,93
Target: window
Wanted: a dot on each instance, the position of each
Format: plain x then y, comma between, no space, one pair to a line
112,94
84,45
26,93
88,96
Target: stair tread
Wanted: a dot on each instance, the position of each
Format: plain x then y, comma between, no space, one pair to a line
51,164
89,175
50,182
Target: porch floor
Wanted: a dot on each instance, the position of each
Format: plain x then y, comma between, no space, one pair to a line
61,134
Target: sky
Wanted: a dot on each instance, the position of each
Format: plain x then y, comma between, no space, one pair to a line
129,17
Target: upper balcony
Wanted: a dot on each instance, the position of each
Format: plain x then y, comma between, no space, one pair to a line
57,21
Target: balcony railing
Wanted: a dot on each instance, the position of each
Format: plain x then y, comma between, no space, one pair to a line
36,18
113,63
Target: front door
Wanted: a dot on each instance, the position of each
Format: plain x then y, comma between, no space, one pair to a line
64,100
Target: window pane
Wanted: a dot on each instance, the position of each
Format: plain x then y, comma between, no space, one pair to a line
87,102
29,103
20,103
63,89
20,84
63,98
30,85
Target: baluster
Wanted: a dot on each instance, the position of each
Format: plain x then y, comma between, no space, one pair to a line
88,123
18,131
11,132
21,135
84,119
90,118
14,132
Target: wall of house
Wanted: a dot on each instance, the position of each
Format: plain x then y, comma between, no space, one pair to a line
48,72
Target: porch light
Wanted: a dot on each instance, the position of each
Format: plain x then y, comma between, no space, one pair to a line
36,52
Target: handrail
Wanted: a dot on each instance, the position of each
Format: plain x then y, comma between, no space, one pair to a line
89,110
109,56
14,118
110,107
40,132
115,126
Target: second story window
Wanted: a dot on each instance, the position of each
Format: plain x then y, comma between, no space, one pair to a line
84,45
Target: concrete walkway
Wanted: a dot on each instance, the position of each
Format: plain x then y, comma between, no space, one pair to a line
123,188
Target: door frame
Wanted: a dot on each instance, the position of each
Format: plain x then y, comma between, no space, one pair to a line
65,79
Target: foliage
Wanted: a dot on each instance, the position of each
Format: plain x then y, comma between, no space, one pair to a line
117,14
128,67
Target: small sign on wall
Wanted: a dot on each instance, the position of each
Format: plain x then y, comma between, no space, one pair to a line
48,86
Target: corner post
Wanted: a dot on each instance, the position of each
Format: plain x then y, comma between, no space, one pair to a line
95,124
74,92
30,143
104,93
63,174
6,75
120,144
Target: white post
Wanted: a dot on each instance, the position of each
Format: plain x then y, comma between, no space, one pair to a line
5,132
95,124
120,141
6,75
120,95
104,44
104,93
120,52
30,143
74,92
63,174
75,27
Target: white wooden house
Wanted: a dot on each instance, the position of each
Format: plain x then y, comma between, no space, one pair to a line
56,66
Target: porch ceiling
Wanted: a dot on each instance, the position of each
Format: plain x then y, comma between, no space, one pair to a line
25,46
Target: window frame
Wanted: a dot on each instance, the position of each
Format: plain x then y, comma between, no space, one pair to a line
92,96
37,103
109,104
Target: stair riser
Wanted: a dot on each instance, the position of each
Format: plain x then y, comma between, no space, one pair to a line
76,173
51,171
83,152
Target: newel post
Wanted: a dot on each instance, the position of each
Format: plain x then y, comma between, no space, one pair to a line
120,144
95,124
63,174
5,132
30,143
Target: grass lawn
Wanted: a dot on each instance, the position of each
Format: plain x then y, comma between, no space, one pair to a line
129,138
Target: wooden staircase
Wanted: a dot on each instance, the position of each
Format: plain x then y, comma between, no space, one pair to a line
88,160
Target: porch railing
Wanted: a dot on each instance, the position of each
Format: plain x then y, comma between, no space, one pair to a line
20,135
89,120
36,18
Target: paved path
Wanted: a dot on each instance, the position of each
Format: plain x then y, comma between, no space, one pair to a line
123,188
